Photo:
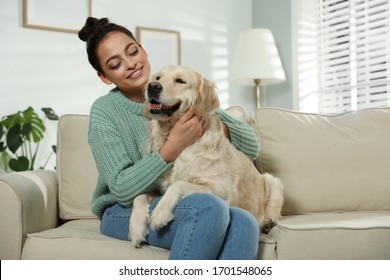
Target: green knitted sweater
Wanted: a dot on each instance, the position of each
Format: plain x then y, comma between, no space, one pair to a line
117,137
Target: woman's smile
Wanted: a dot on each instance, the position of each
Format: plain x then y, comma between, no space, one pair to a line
137,73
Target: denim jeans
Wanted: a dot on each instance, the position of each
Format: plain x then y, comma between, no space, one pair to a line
204,228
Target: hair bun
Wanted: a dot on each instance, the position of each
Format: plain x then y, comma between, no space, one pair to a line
91,25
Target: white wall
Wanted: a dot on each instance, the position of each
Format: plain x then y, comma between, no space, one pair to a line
278,16
50,69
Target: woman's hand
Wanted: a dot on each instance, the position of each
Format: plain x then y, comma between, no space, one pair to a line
188,129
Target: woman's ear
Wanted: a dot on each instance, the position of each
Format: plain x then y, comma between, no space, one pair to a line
104,78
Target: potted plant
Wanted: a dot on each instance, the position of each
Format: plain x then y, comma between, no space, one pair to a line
20,136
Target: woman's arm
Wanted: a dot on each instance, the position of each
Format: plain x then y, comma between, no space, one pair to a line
127,173
242,135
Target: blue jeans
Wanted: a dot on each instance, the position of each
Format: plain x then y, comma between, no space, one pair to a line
204,228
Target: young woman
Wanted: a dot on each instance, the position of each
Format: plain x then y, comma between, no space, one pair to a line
204,226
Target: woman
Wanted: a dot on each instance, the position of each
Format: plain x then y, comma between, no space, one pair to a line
204,226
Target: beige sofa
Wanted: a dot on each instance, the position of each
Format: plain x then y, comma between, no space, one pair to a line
336,171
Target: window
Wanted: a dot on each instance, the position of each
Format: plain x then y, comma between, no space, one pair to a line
344,54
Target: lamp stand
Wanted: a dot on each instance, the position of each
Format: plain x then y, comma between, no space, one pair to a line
257,84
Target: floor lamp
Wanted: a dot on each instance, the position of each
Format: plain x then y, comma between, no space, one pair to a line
256,60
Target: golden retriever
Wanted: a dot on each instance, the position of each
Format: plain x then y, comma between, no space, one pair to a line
211,165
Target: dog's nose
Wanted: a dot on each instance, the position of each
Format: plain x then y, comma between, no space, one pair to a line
154,90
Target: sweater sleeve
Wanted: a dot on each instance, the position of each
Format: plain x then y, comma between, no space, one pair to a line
242,135
125,172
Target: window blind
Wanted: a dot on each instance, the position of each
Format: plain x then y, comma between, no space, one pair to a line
353,54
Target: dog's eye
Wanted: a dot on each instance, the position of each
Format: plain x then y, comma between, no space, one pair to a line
180,81
157,78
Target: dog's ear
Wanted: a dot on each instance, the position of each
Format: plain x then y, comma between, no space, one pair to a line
207,99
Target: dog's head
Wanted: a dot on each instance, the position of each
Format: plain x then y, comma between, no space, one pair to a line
174,89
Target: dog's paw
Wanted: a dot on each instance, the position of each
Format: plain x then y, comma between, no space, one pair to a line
138,236
138,230
160,219
268,225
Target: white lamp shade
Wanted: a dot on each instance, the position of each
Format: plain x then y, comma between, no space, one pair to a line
256,57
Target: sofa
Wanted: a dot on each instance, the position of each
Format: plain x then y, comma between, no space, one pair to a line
335,168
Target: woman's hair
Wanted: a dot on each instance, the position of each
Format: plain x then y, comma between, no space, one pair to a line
93,32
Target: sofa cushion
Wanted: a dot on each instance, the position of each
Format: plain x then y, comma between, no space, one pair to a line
332,236
76,169
327,163
81,239
238,112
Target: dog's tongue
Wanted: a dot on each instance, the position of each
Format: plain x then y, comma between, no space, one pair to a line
155,106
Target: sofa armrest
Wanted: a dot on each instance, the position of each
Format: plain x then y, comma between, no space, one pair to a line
28,203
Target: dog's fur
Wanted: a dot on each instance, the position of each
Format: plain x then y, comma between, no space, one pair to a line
211,165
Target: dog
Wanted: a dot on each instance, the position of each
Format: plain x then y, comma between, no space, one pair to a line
211,165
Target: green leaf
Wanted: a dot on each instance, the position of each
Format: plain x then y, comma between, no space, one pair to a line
14,141
1,130
50,114
37,133
37,126
26,129
10,120
54,148
20,164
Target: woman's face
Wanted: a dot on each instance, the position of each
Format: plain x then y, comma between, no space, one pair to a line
125,64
